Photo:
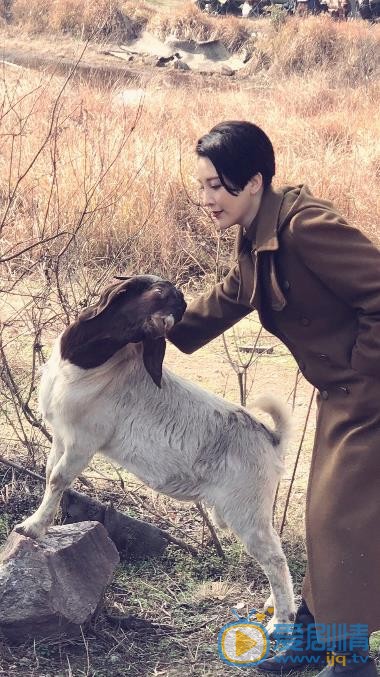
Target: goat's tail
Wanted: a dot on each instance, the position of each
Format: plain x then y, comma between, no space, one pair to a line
280,415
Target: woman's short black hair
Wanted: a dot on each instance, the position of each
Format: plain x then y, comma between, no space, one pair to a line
238,151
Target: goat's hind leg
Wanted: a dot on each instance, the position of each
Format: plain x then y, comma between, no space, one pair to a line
263,543
59,477
265,546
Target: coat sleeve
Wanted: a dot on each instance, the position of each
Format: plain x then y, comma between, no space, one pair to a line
210,315
348,263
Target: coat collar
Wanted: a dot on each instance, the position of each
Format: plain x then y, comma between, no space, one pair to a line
263,229
276,208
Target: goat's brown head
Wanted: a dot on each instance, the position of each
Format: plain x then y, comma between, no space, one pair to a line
140,308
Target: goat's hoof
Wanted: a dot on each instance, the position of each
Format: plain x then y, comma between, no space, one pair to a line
283,620
30,529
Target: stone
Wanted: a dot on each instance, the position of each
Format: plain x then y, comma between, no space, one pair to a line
163,60
226,70
134,539
181,66
50,587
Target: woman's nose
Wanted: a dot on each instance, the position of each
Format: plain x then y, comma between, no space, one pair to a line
207,198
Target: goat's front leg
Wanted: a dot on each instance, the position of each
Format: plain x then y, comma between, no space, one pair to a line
68,467
56,452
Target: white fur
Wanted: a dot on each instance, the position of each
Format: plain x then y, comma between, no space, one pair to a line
180,440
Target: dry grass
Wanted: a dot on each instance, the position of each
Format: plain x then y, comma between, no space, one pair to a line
349,52
121,20
189,23
326,134
81,18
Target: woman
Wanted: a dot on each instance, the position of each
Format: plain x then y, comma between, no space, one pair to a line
315,282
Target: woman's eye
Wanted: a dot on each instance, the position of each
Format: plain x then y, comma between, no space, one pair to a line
216,185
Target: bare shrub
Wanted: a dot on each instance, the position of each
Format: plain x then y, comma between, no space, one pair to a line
140,12
81,18
119,20
34,17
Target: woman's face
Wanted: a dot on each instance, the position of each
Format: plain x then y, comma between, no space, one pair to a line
225,209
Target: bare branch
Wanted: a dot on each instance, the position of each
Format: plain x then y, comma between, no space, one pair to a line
213,533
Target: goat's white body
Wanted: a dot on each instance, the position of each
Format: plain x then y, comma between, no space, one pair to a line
179,431
180,440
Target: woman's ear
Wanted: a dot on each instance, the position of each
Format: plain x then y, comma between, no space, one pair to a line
256,183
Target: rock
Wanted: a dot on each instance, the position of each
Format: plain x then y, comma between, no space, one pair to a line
226,70
163,60
52,586
134,539
181,66
215,50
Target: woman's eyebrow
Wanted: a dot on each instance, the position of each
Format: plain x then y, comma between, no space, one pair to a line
210,178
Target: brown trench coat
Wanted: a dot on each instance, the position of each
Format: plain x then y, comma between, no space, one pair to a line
315,282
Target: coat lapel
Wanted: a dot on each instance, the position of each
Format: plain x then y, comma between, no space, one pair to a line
264,232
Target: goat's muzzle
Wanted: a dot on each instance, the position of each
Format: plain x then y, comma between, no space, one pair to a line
160,324
171,310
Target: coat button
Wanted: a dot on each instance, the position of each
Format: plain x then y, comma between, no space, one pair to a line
324,395
286,285
344,390
305,321
323,357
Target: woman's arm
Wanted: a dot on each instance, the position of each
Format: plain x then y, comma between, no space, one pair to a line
348,263
210,315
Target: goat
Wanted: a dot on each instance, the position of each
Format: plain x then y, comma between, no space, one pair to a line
104,389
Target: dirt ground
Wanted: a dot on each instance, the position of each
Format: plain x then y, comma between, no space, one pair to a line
97,62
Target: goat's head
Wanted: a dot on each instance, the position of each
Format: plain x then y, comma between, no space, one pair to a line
140,308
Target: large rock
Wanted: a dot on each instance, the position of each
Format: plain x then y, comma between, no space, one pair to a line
52,586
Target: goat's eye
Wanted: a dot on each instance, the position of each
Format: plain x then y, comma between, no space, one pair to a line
158,291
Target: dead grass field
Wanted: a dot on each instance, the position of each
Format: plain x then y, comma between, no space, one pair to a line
116,179
321,114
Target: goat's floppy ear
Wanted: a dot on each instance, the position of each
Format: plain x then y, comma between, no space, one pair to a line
125,284
106,298
153,357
